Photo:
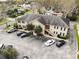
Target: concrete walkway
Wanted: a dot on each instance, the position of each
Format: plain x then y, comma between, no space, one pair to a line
72,41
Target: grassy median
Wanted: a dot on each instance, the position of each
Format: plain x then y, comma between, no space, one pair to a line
77,38
76,34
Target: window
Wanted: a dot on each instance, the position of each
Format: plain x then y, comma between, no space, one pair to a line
64,29
19,26
56,32
47,26
24,26
63,34
60,33
18,21
54,26
61,28
57,27
22,21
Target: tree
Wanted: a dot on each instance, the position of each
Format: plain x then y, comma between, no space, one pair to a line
16,25
30,27
38,30
9,53
67,6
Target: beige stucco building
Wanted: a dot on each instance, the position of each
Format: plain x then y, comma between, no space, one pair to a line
51,25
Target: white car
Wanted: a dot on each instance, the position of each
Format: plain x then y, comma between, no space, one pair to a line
49,42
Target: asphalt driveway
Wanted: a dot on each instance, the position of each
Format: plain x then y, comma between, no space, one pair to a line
35,49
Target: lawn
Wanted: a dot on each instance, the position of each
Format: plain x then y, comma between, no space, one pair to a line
3,21
76,34
10,27
77,56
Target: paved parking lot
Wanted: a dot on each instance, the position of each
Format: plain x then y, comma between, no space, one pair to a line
35,48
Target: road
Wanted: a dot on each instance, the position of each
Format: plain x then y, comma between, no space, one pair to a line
72,41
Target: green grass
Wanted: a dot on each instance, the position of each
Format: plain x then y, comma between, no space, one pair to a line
3,21
10,27
77,56
77,38
76,35
29,12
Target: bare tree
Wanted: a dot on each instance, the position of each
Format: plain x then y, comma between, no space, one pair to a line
67,6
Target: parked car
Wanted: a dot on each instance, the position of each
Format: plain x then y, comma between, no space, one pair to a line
10,46
20,33
26,34
12,30
60,43
1,46
49,42
25,57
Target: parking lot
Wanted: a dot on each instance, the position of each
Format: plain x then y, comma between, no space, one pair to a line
35,48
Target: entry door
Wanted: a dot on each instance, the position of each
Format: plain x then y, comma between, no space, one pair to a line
47,26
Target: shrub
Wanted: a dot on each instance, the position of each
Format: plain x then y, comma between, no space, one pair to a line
64,37
30,27
9,53
38,30
14,13
72,17
15,25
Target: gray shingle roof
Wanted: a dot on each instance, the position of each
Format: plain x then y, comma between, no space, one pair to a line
45,19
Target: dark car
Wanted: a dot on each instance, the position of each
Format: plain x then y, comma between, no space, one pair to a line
25,57
26,34
2,46
12,30
20,33
10,46
60,43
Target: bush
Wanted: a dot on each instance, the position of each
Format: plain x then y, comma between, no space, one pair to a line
15,25
30,27
9,53
38,30
73,17
14,13
64,37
